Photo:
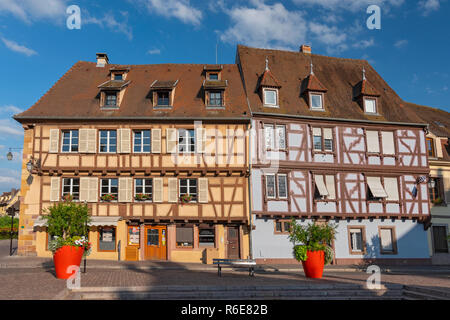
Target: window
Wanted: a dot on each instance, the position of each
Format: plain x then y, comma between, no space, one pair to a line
185,237
440,242
106,239
143,189
109,187
370,105
213,76
324,187
133,235
382,189
430,147
275,137
189,187
323,139
141,141
70,141
388,243
276,186
118,76
215,98
108,141
206,237
270,97
357,240
49,238
316,101
436,191
186,140
163,98
71,186
386,138
110,99
282,226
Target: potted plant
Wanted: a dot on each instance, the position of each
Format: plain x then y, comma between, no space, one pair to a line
108,197
311,246
67,198
438,201
141,197
68,223
186,198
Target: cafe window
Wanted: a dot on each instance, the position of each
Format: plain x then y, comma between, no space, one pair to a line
282,226
185,237
133,235
107,239
206,237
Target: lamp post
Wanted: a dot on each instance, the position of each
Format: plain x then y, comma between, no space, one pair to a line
11,212
9,155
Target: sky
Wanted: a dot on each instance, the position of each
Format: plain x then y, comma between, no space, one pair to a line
410,50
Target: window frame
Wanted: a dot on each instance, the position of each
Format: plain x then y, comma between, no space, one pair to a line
394,240
142,145
98,238
187,144
143,189
71,185
314,188
380,153
71,144
128,235
275,141
322,100
363,239
283,226
384,201
108,142
433,148
109,189
188,186
322,140
435,251
437,192
200,245
183,246
158,99
375,100
270,105
276,196
221,93
111,93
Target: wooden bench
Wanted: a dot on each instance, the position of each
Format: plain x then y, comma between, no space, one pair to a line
235,263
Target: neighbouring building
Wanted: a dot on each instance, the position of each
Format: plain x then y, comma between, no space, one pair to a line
438,149
158,152
331,141
9,199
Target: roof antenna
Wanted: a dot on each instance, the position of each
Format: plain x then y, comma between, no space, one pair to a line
267,64
364,73
312,71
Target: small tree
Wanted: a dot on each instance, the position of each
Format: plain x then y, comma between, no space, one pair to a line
312,237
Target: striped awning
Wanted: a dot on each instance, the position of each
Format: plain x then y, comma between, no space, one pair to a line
95,221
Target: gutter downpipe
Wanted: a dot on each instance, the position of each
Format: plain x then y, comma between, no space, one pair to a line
250,242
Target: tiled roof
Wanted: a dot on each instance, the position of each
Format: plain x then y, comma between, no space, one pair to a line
311,83
339,76
75,95
158,84
269,80
438,120
114,84
212,84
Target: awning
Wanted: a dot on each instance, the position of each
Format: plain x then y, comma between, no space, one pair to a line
320,184
95,221
376,187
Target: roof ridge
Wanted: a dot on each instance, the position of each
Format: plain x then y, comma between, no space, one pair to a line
158,64
422,106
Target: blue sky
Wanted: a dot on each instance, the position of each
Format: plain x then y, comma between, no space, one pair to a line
410,51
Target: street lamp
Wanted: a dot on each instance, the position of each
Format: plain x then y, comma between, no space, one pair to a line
431,183
9,155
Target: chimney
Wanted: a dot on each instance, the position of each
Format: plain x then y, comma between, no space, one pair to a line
305,49
102,60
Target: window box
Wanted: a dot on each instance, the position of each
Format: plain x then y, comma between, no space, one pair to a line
108,197
142,197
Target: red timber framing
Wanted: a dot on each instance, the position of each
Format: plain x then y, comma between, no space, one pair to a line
350,167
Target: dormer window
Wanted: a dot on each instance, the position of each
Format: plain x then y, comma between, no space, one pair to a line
213,76
118,76
163,92
270,97
313,91
316,101
370,105
110,99
215,99
163,98
111,91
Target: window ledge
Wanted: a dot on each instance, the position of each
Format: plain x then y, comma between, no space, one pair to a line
109,108
270,106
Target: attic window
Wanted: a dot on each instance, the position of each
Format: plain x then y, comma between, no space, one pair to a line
316,101
270,97
213,76
163,98
110,99
118,76
370,105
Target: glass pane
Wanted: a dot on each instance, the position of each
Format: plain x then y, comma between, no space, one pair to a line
316,101
270,185
328,144
107,239
152,237
370,106
317,143
270,97
282,192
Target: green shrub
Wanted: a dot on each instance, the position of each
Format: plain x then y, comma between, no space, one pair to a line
5,221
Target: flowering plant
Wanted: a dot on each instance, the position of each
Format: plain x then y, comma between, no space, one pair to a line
185,198
142,197
68,198
108,197
58,242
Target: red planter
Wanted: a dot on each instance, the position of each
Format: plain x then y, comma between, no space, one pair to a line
65,257
313,266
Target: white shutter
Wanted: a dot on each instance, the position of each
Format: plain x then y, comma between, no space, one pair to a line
330,187
373,144
387,139
91,141
317,132
391,188
328,133
54,189
268,135
203,190
386,239
93,190
376,187
125,189
156,140
281,137
200,137
84,189
171,140
124,140
54,141
158,190
320,184
173,190
83,140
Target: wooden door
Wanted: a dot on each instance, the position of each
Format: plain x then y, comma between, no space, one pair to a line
155,242
233,242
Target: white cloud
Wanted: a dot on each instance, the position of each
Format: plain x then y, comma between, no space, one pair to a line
363,44
179,9
109,21
400,43
9,179
269,26
428,6
8,127
14,46
351,5
31,10
10,108
154,51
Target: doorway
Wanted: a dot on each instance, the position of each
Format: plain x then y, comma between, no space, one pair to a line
233,243
155,242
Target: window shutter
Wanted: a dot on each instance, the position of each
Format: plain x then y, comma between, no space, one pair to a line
391,188
125,189
373,144
156,140
330,187
387,139
200,136
281,137
83,140
376,187
91,140
54,141
268,135
171,140
93,190
317,132
54,189
84,189
327,133
157,190
173,191
320,184
203,190
124,138
386,239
